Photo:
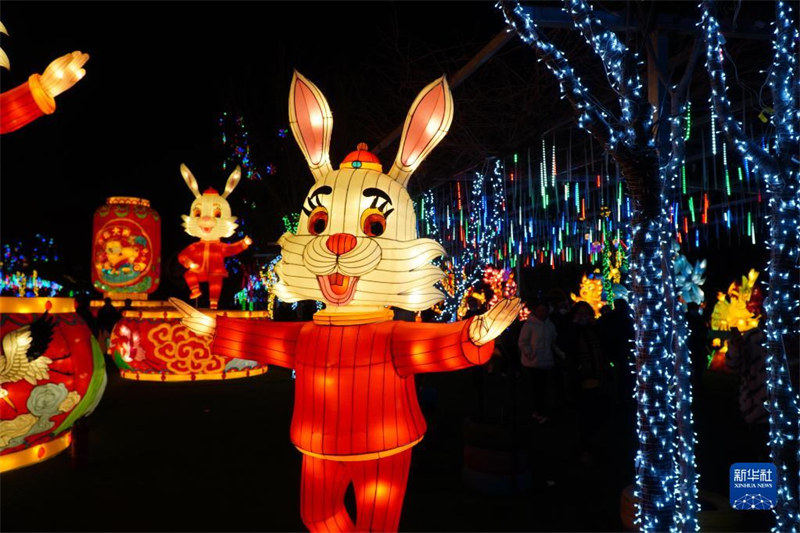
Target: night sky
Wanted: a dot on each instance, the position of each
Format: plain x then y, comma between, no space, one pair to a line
159,77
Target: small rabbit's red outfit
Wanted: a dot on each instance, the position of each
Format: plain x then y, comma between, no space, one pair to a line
356,415
24,104
210,256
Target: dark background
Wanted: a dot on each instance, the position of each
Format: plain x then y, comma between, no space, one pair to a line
162,73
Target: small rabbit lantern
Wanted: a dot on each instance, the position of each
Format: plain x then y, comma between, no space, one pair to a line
356,416
209,220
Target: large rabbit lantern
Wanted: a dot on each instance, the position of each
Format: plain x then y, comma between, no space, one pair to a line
356,415
209,220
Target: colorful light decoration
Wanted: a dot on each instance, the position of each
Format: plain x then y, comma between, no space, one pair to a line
501,283
688,278
591,292
475,243
778,169
19,284
209,220
19,275
52,372
126,253
36,97
734,309
356,417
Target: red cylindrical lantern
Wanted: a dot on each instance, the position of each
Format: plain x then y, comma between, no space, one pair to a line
43,391
126,254
153,345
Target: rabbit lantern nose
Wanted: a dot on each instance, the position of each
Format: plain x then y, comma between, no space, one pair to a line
341,243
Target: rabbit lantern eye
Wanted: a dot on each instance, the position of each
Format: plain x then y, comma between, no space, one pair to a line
196,212
373,222
318,220
217,211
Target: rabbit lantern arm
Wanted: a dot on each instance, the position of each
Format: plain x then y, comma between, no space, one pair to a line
419,348
36,97
273,343
24,104
236,247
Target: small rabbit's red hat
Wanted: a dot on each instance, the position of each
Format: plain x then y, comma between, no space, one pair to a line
211,191
362,158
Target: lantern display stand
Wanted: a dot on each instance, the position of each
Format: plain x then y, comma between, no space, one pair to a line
52,374
151,344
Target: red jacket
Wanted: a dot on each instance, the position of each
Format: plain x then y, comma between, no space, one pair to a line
24,104
354,390
210,255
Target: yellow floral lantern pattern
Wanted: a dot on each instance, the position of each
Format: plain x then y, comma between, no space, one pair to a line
152,345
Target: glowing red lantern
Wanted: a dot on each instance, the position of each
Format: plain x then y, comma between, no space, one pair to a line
52,372
153,345
126,252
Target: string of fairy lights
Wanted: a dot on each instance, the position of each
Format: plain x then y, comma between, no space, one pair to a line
20,265
777,164
651,275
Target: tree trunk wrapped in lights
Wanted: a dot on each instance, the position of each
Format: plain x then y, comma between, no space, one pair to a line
356,415
779,168
664,503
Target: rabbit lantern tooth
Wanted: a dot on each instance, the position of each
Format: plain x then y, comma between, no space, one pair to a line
356,416
209,220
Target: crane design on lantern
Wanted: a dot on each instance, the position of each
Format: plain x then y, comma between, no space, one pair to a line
356,415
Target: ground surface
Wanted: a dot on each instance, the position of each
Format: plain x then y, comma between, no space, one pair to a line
215,456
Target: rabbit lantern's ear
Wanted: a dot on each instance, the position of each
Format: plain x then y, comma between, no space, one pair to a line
311,122
426,125
233,181
188,177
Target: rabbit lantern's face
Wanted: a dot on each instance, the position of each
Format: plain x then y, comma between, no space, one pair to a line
356,246
210,216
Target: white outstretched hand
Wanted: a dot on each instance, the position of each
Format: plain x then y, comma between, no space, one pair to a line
491,324
193,319
64,72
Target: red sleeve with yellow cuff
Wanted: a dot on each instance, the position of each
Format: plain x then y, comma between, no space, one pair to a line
24,104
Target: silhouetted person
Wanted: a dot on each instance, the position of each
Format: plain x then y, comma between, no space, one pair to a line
536,345
107,317
588,370
747,357
128,305
616,329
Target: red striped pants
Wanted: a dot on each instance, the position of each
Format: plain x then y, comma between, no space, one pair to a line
379,484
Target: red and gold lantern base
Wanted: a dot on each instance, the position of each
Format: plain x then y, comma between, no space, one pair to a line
43,395
151,344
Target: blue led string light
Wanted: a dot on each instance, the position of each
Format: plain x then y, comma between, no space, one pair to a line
653,290
779,168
